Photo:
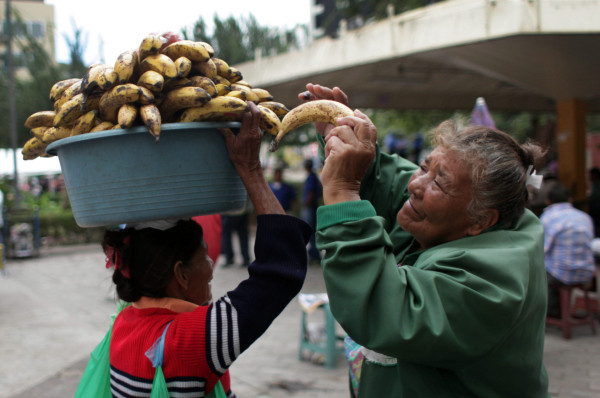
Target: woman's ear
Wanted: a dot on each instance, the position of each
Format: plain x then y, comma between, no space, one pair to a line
490,218
179,275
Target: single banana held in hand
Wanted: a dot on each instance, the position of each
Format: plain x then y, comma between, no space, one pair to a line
326,111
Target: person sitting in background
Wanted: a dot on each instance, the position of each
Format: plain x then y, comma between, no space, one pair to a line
568,235
163,269
594,199
436,271
284,192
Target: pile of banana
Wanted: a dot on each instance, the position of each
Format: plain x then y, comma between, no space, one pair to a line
160,82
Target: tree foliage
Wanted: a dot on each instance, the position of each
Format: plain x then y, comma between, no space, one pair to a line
236,40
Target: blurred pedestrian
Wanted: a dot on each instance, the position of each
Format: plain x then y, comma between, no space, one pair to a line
417,146
284,192
311,196
238,224
568,235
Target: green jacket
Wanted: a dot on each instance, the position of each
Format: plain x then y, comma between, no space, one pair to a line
462,319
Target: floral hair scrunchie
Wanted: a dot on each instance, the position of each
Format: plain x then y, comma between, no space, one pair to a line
113,258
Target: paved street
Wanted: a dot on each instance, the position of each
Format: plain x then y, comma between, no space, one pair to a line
54,310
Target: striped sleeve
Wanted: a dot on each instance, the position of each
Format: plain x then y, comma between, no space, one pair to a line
222,335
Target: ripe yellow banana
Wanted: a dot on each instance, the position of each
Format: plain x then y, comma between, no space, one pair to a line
221,80
222,67
159,63
55,134
327,111
112,100
85,123
146,96
192,50
126,115
150,44
152,80
237,94
33,148
216,107
205,83
269,121
251,95
38,132
280,109
91,102
184,97
262,94
126,66
234,75
59,87
151,117
209,48
69,112
98,76
183,65
206,68
40,119
222,89
172,84
244,83
69,93
106,125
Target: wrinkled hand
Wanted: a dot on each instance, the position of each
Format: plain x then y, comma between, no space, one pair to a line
244,152
244,148
349,150
315,92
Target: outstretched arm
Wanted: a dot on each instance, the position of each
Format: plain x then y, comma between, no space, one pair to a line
244,151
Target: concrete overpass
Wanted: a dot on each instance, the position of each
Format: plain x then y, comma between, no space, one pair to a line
527,55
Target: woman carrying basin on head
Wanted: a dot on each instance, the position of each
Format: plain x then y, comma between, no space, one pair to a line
164,270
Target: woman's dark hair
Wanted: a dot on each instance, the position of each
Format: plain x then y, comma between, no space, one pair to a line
499,167
150,255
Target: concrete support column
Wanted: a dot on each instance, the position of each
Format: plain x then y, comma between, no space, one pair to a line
571,144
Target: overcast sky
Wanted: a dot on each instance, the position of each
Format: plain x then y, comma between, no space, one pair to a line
113,26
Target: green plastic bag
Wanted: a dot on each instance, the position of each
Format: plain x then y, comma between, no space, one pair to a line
217,392
159,385
156,355
95,381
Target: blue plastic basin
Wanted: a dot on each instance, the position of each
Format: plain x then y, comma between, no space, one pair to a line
125,176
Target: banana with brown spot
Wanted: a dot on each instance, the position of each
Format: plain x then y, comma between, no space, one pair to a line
159,63
151,117
326,111
192,50
33,148
40,119
217,107
59,87
150,45
269,121
85,123
126,66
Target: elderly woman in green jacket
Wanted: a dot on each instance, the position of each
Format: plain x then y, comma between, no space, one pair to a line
435,271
